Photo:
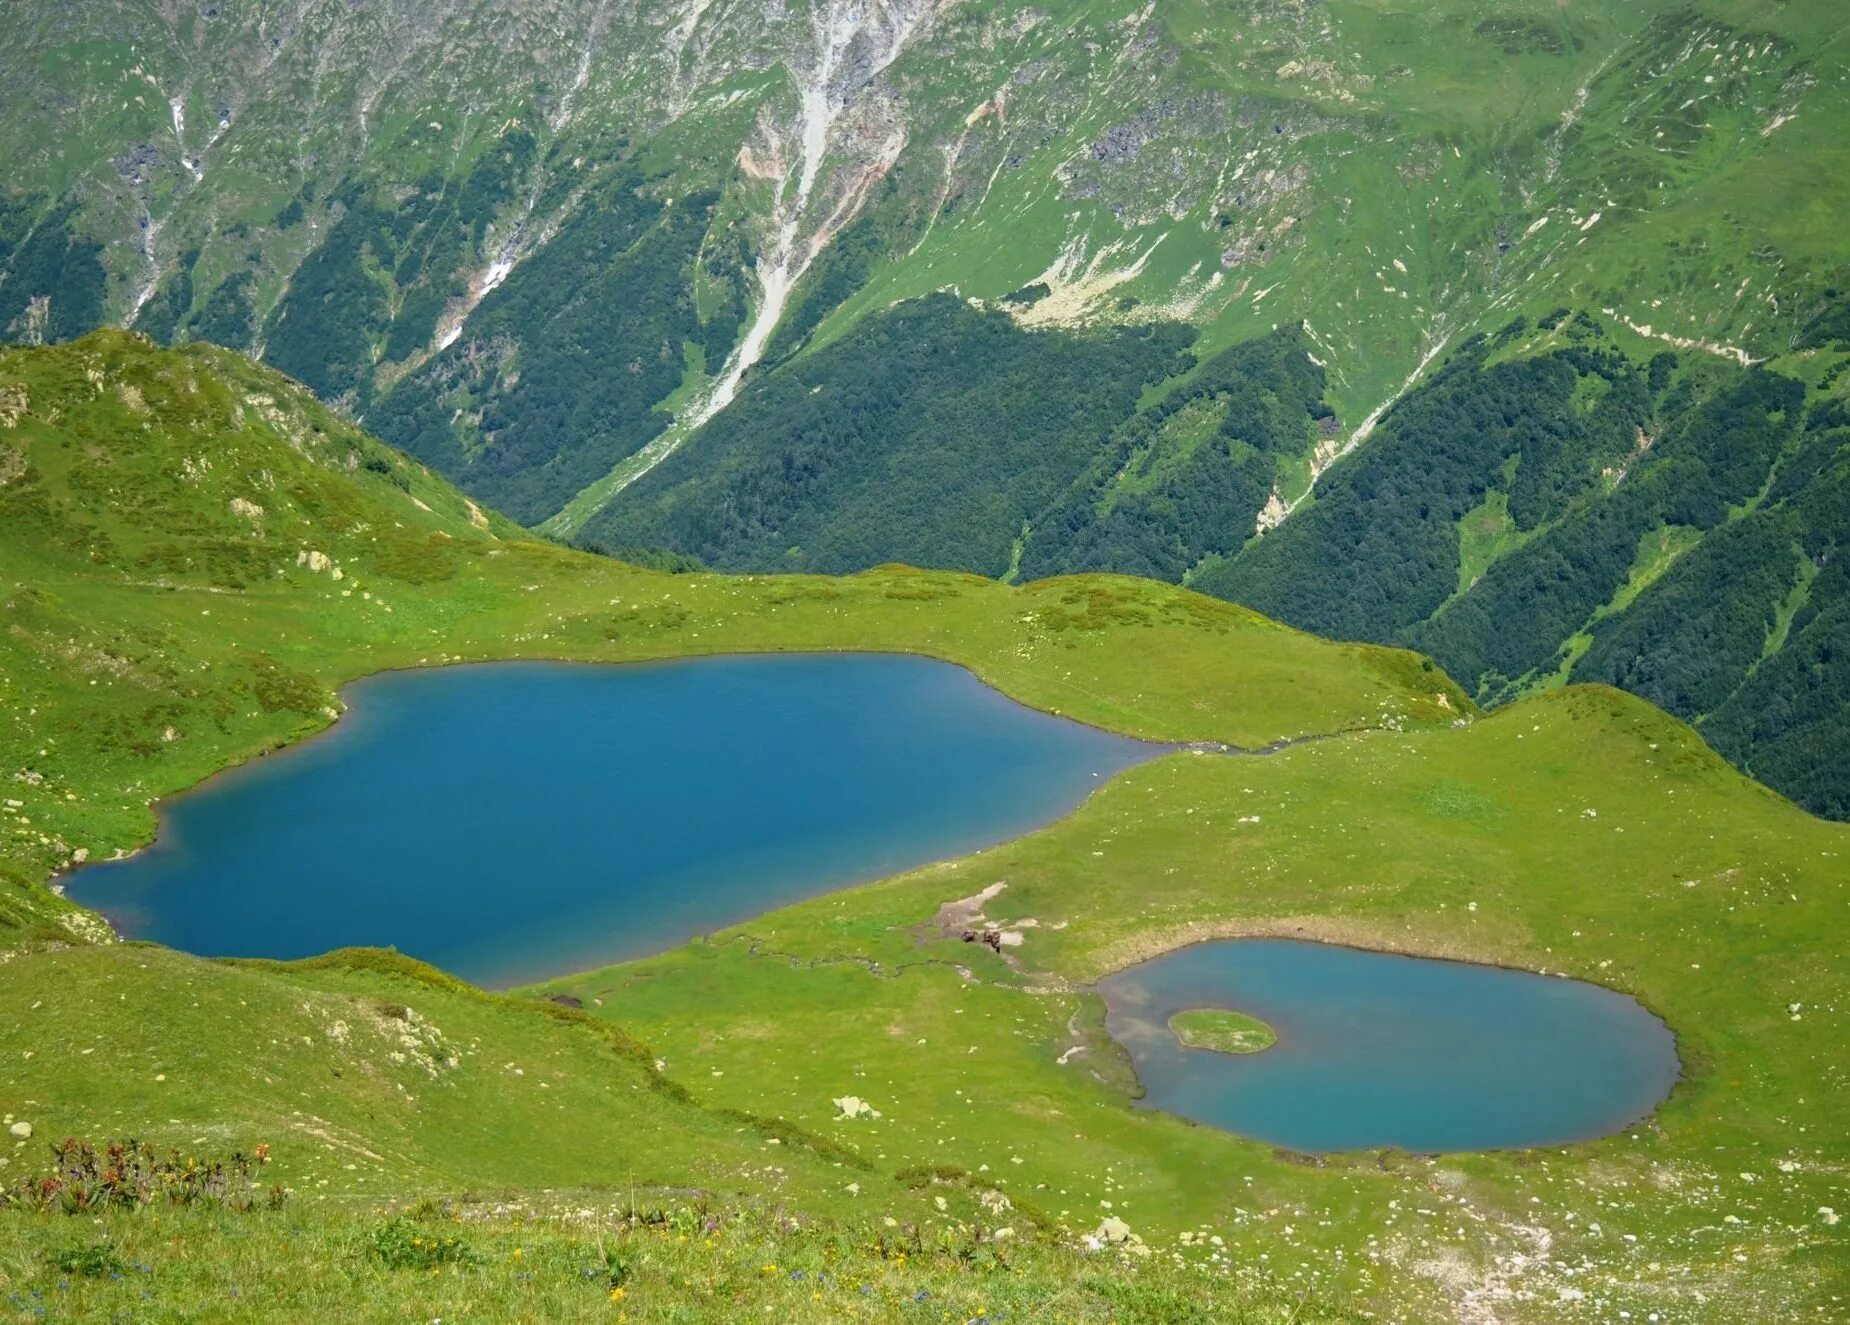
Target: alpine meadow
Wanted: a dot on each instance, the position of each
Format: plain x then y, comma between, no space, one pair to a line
925,660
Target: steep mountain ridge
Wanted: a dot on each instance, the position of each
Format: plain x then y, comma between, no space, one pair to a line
1394,178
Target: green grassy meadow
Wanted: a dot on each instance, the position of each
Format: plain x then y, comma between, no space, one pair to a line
683,1117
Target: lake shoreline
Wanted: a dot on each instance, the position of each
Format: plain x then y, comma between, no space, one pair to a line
1169,1069
845,696
310,734
1336,932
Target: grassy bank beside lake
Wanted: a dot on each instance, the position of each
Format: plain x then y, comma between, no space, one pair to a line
1583,833
171,525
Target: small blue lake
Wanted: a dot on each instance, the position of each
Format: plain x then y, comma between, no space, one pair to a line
514,821
1382,1050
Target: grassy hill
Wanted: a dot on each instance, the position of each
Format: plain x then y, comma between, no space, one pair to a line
451,1152
1582,833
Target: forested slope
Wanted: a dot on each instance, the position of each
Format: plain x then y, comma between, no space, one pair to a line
536,240
1670,526
931,436
1560,501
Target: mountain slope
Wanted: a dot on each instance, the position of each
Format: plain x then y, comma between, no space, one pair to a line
1570,513
931,436
1561,501
368,196
593,263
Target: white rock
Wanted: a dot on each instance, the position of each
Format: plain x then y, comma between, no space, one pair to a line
21,1129
1113,1230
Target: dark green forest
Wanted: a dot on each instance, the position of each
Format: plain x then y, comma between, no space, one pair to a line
1716,455
1606,466
1667,524
1751,630
372,290
839,270
376,285
931,434
1184,480
161,316
43,258
561,369
1378,551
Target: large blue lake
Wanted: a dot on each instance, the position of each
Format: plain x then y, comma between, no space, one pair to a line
1381,1050
514,821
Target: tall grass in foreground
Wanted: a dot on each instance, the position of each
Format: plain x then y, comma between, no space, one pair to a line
487,1261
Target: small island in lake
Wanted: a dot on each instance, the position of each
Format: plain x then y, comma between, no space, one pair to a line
1222,1031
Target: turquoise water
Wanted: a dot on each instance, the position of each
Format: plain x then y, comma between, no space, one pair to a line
514,821
1380,1050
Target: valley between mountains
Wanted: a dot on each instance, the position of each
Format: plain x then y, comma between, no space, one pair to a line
1415,324
1407,445
683,1114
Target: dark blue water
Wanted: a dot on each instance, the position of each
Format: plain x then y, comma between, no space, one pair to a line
514,821
1380,1050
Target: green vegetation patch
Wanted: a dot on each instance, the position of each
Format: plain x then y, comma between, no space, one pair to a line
1580,832
55,284
643,1254
1221,1030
